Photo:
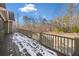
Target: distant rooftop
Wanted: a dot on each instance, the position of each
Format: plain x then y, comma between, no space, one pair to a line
2,5
11,16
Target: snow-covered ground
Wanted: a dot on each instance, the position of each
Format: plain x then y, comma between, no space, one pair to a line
27,45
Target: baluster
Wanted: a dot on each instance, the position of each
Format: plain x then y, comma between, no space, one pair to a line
58,43
61,44
55,42
64,45
52,43
72,46
44,38
67,46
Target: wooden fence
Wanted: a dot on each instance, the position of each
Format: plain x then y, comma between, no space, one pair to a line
61,44
65,45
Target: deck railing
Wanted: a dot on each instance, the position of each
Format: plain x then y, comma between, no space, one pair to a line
61,44
30,34
64,45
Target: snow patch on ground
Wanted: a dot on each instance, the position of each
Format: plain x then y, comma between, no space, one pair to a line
27,45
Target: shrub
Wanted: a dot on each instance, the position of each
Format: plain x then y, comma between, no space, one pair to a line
64,29
75,29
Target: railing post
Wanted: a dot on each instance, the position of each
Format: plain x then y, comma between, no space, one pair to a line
40,38
76,46
52,42
31,34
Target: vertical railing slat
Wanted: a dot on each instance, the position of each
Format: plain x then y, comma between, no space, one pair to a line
64,45
58,43
67,47
55,42
71,46
61,44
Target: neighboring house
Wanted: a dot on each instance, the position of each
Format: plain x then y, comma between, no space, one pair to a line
6,20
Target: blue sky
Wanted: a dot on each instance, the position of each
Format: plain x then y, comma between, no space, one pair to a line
47,10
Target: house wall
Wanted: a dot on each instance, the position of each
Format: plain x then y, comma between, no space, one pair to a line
5,27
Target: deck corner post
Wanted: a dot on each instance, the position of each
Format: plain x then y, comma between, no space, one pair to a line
40,38
76,46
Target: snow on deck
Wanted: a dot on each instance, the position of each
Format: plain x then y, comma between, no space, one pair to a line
27,45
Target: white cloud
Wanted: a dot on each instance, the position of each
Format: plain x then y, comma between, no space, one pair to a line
44,16
28,8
